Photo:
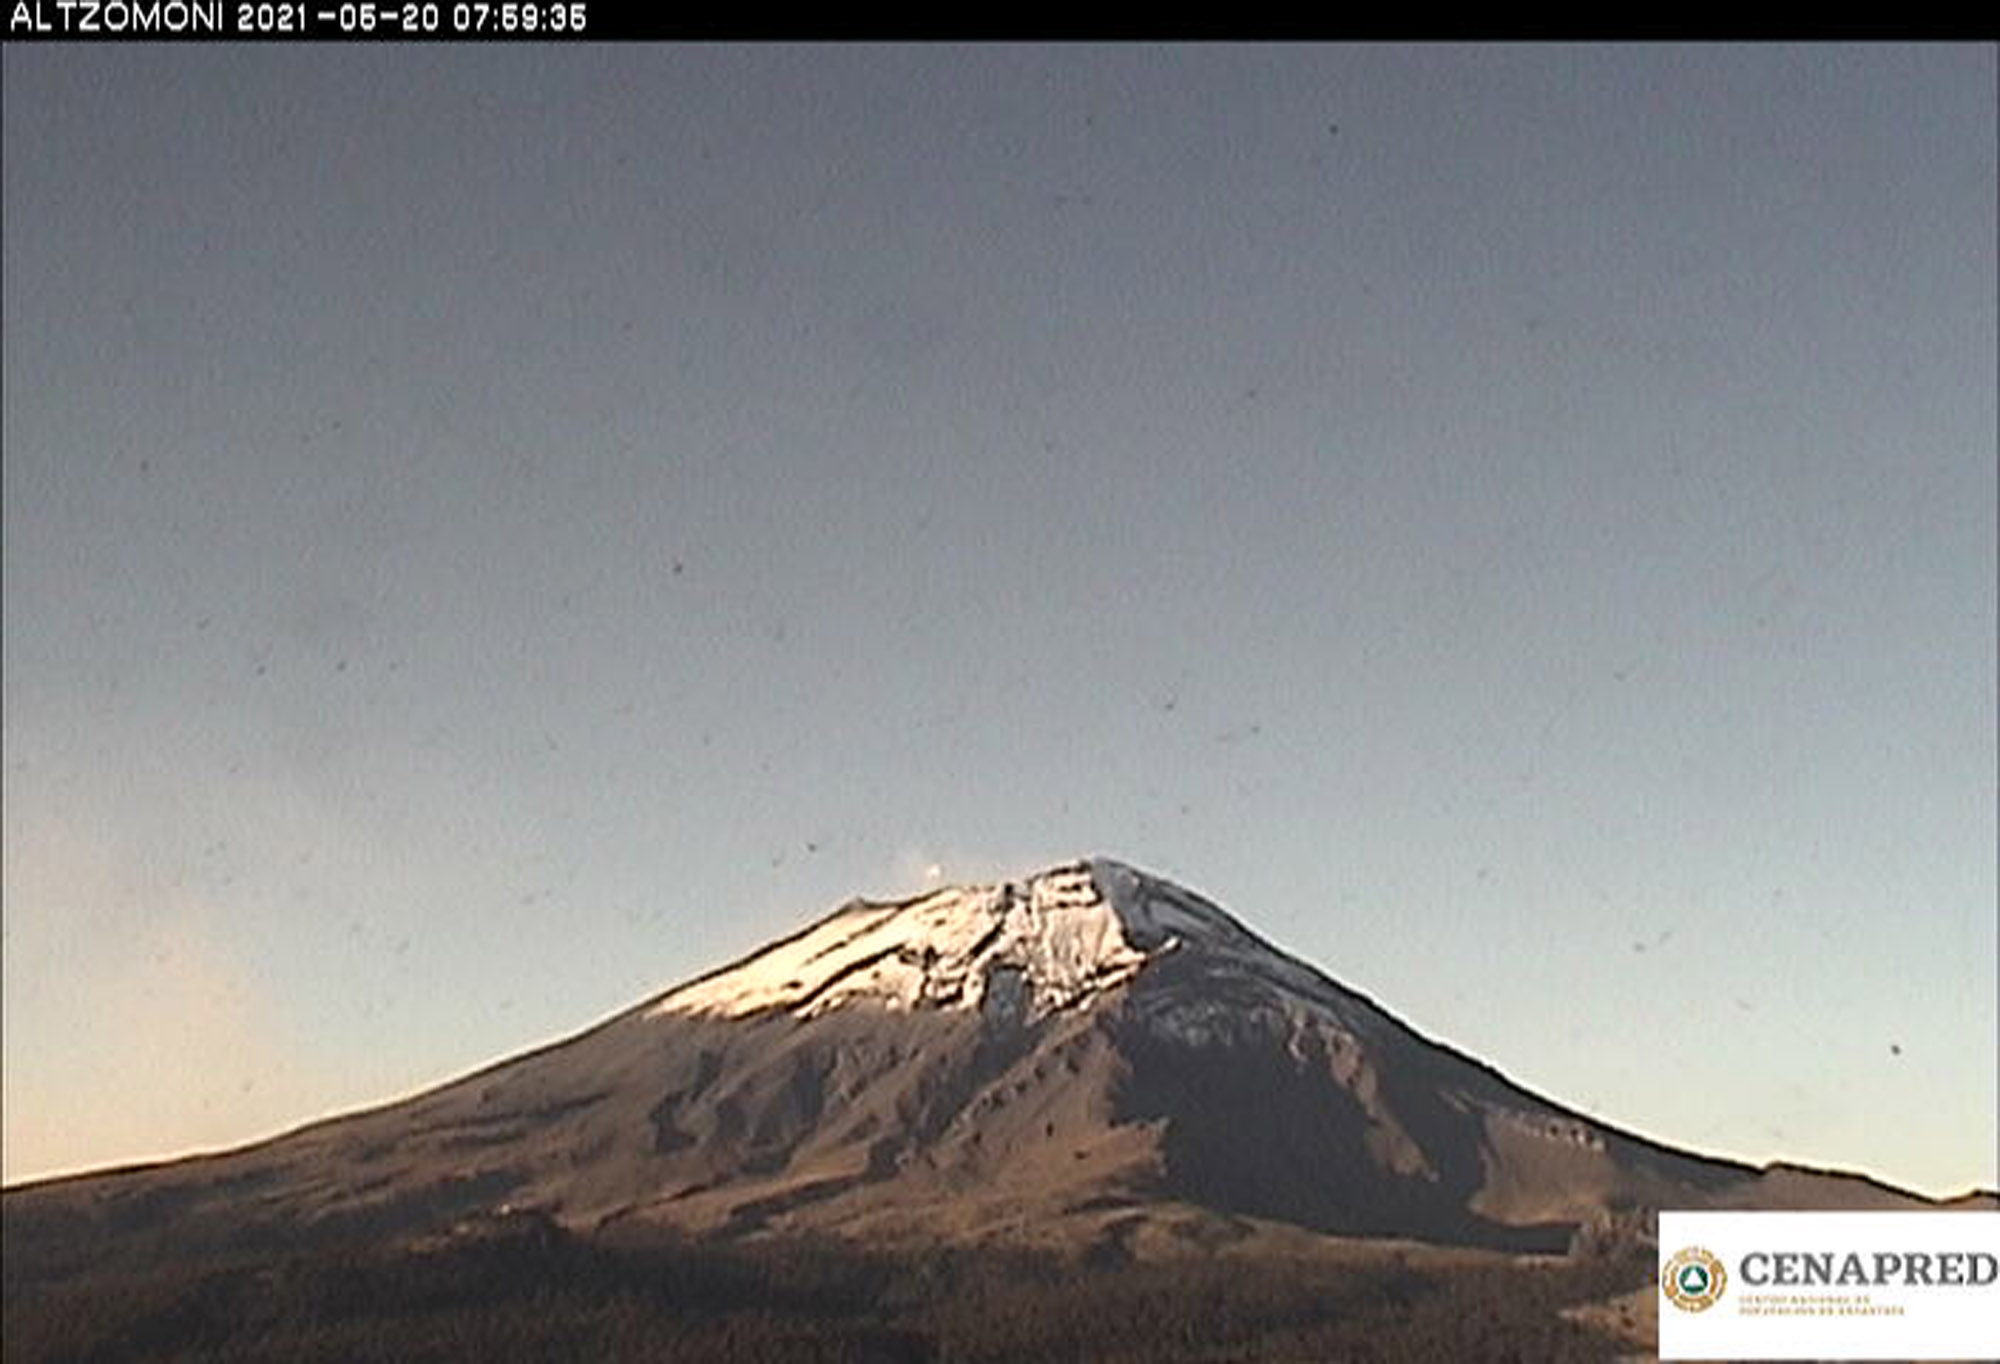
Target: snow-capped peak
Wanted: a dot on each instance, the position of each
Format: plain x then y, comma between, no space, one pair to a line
1047,942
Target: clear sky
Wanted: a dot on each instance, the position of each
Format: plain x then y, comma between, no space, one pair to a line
492,532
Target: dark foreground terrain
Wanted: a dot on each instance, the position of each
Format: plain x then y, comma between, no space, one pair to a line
521,1288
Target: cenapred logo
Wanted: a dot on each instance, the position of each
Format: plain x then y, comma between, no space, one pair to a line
1693,1279
1829,1285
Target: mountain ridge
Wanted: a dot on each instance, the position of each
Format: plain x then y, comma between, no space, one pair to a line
1163,1074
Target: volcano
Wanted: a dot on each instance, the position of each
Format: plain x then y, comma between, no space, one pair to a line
1089,1058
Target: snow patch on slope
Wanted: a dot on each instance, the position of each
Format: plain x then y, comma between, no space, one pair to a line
1064,935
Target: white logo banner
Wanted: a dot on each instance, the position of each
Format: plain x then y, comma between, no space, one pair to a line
1829,1285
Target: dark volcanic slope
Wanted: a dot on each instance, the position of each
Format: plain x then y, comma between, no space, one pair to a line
1091,1055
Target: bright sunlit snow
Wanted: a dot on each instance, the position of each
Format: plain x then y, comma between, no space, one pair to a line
1068,933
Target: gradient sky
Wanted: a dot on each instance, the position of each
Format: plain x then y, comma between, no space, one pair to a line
492,532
